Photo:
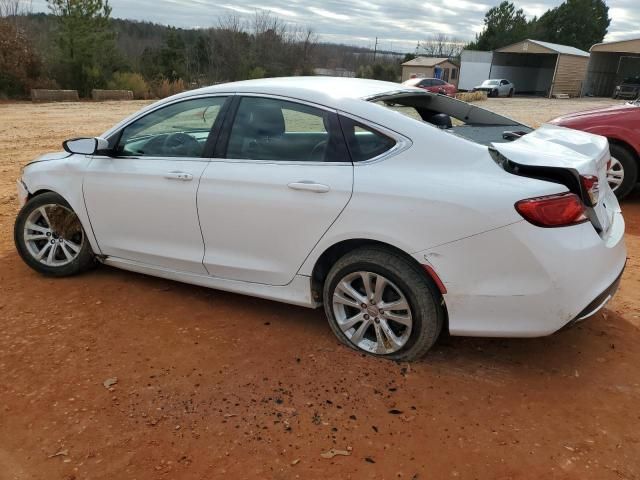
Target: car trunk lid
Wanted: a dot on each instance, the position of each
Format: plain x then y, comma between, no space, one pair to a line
568,157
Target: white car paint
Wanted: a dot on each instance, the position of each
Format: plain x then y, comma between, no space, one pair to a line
163,230
227,197
442,199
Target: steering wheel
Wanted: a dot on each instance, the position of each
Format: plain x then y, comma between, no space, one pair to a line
182,144
319,151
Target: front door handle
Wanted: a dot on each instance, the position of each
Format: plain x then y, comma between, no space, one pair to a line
308,186
182,176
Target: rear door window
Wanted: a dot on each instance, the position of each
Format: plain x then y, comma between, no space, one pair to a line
280,130
364,142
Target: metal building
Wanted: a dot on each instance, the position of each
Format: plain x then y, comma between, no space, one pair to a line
541,68
610,64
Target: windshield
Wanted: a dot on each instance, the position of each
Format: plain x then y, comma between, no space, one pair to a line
491,82
632,80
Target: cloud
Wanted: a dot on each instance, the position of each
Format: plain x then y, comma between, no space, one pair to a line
398,25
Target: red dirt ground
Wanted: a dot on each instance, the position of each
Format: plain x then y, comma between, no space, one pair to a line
216,385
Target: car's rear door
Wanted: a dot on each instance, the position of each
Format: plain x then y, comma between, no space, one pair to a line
282,175
505,87
142,200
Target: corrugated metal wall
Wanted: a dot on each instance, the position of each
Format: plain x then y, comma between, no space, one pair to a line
570,74
603,75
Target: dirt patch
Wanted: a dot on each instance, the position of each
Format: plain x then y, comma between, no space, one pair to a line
216,385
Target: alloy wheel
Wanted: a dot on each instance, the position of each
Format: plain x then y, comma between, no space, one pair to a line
372,312
53,235
615,174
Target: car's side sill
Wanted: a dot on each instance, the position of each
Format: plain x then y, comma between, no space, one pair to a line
298,292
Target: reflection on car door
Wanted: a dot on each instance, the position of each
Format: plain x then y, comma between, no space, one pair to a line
282,176
142,201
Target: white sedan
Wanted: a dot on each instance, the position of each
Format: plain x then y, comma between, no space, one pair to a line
399,221
497,88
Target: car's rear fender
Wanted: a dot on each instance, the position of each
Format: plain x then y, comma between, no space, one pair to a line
523,280
417,199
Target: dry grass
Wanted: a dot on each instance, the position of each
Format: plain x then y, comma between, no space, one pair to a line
472,96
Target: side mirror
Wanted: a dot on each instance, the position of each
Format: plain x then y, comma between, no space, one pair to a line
85,146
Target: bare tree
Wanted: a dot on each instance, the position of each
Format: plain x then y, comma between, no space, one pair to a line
440,45
15,8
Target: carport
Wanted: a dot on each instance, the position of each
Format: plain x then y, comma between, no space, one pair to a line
541,68
611,63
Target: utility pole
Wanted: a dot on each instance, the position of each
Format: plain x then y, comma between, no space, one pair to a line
375,51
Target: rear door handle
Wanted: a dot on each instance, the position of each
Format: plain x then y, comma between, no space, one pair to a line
308,186
182,176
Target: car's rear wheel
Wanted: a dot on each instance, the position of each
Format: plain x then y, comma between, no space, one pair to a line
623,172
380,303
50,238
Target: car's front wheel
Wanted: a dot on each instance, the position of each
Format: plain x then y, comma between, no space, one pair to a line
50,238
379,302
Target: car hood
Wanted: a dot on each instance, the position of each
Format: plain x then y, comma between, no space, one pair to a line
598,112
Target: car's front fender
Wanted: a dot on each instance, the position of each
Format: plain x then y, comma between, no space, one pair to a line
64,177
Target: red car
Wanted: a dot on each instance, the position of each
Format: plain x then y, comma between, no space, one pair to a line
433,85
621,125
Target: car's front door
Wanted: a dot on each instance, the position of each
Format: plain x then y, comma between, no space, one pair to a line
282,176
142,200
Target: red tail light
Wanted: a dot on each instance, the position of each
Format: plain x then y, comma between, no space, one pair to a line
559,210
591,185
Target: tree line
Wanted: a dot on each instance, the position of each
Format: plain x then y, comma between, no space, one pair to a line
77,45
576,23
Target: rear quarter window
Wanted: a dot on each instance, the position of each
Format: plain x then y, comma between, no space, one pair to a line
364,143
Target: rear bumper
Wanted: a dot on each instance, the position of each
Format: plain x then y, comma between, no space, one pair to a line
526,281
598,303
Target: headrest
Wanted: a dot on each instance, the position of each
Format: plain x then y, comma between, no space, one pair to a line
267,120
441,120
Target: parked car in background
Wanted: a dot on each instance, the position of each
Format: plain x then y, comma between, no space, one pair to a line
311,191
497,88
628,89
621,125
433,85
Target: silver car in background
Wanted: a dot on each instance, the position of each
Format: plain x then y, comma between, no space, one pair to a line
497,88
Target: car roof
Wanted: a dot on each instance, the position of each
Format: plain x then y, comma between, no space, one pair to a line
328,91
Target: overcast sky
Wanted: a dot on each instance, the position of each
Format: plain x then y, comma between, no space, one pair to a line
398,24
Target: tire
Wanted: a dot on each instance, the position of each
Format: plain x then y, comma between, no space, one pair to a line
511,93
630,168
405,282
71,250
495,93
